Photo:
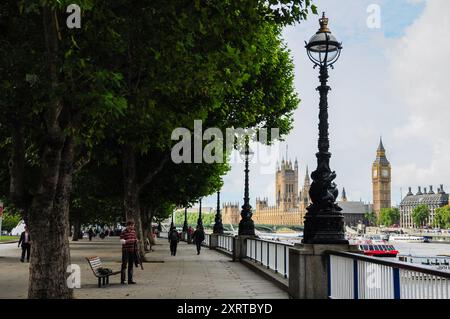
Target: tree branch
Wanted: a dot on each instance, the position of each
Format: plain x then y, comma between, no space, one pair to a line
147,180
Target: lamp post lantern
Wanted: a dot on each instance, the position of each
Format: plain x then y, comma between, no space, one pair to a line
246,225
218,226
324,222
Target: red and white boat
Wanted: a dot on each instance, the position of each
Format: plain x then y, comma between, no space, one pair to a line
375,247
379,250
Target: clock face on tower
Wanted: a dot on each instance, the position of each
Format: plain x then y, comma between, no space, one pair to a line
385,173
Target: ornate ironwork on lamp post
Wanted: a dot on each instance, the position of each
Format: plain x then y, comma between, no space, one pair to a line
200,220
324,222
185,224
218,226
246,225
172,225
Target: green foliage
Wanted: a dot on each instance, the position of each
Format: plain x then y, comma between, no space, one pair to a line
420,215
10,220
192,217
8,238
442,217
371,218
389,216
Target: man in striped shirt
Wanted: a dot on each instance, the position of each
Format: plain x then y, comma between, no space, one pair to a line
129,245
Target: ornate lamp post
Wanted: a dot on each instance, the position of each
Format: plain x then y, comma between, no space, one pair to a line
199,220
218,226
324,222
185,224
172,225
246,225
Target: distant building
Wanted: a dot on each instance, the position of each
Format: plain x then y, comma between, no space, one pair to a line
290,207
381,181
354,212
430,198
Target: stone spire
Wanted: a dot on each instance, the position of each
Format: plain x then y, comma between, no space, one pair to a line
344,195
307,180
409,192
381,154
419,192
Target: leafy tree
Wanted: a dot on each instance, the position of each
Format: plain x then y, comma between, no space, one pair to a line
442,217
389,216
192,217
55,99
371,218
10,220
135,71
420,215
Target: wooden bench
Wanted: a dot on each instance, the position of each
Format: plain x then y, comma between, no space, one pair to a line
96,264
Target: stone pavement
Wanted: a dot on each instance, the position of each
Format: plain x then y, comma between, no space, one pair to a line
184,276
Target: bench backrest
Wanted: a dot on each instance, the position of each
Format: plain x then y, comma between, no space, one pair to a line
95,264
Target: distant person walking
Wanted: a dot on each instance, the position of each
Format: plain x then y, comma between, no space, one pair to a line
25,241
199,237
128,239
91,234
173,240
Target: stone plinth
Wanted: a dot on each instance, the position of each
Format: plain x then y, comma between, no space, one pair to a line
308,274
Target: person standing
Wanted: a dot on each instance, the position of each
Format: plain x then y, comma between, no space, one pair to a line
129,240
90,233
199,237
25,241
173,240
190,232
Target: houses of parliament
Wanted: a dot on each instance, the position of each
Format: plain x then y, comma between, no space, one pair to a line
291,203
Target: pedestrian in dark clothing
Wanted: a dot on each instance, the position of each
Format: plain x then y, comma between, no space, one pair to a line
173,240
129,246
198,237
91,234
25,241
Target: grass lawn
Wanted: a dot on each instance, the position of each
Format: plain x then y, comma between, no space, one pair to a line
8,238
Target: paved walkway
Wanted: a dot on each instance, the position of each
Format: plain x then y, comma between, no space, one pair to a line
185,276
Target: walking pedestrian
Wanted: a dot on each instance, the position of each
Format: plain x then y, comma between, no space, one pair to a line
90,233
199,237
129,246
173,240
25,241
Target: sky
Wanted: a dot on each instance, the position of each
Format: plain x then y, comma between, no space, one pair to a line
390,81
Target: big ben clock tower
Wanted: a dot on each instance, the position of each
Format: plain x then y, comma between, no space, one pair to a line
381,181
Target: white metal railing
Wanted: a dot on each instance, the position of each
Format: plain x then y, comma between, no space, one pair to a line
164,234
355,276
207,240
226,242
273,255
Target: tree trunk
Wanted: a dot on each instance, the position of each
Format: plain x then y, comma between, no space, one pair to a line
131,193
144,217
77,227
49,213
48,224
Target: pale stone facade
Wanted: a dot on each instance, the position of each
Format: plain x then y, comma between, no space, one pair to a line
290,205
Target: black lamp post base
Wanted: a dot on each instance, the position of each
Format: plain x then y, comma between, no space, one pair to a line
324,228
218,228
246,227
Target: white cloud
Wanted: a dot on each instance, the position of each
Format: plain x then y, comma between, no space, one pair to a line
395,87
419,74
